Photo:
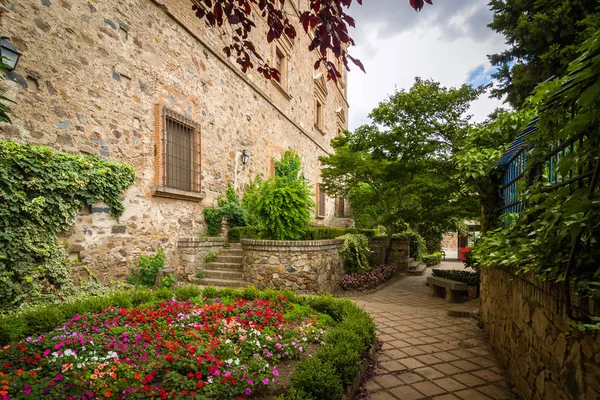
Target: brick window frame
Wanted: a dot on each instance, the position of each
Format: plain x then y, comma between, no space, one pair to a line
171,145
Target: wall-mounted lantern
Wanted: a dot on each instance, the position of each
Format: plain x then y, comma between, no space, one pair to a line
245,157
9,55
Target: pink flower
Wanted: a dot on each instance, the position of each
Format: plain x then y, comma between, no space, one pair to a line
248,391
250,382
275,372
27,389
266,381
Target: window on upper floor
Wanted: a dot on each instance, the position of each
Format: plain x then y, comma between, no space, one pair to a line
281,64
319,103
342,207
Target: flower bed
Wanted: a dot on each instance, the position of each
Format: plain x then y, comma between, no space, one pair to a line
211,350
370,279
215,347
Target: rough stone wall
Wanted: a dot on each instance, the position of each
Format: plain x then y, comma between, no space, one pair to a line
307,266
526,323
397,256
450,240
90,79
191,252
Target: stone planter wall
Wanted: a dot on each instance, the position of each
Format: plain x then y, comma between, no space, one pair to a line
526,320
306,266
398,255
191,252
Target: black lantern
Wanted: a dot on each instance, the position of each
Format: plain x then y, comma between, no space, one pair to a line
9,55
245,157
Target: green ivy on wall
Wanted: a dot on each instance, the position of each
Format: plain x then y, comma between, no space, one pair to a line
41,192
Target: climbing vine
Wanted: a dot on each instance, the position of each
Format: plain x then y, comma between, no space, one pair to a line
41,192
557,235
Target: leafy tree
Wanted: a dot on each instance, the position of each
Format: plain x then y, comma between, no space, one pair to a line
326,20
400,168
543,36
478,155
281,208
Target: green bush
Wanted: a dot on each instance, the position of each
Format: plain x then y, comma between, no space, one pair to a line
148,267
234,235
163,293
213,219
43,319
432,259
296,394
141,296
210,257
344,357
167,281
326,232
356,253
187,292
318,379
281,207
417,244
470,278
229,207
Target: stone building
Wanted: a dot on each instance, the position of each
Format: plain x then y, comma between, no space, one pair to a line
144,82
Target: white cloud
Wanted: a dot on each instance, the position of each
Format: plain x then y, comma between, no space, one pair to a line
447,53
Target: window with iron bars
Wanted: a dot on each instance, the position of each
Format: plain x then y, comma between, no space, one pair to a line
342,208
180,145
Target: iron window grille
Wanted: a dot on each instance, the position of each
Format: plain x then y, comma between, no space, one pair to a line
180,144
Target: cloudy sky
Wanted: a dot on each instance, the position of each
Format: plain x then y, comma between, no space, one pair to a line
447,42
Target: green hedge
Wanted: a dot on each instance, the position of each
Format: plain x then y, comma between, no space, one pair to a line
470,278
417,244
321,233
432,259
234,235
323,376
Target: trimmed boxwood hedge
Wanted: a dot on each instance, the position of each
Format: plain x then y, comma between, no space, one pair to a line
321,377
470,278
234,235
432,259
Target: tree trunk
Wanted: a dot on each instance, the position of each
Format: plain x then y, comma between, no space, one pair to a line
388,244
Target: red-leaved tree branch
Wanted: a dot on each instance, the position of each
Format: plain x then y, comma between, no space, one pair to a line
325,19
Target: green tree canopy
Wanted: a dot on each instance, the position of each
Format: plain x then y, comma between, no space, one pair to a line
543,37
400,169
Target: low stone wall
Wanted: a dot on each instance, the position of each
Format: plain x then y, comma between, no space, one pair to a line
526,320
306,266
397,256
191,252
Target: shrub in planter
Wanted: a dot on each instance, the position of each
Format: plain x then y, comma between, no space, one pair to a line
470,278
432,259
234,235
370,279
356,253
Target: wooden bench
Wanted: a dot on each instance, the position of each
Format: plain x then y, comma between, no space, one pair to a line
454,290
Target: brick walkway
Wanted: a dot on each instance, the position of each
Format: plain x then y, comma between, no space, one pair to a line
426,354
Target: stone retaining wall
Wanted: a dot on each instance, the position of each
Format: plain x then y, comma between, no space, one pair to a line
191,252
398,254
526,320
306,266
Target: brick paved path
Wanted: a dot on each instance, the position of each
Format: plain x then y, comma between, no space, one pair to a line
426,354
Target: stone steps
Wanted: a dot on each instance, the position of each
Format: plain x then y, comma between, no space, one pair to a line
230,252
228,259
224,274
416,268
222,282
225,266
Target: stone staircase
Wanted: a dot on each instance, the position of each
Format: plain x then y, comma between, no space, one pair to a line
415,267
227,269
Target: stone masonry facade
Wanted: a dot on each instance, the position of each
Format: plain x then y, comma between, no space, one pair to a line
306,266
97,77
527,325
